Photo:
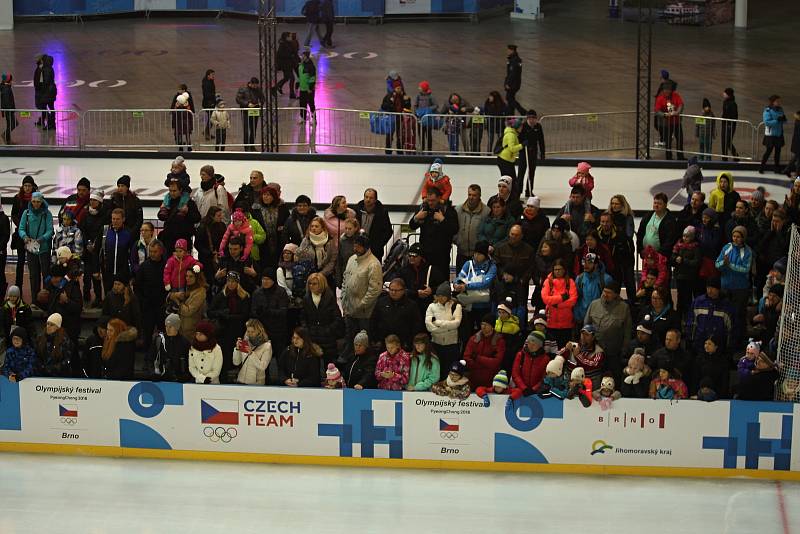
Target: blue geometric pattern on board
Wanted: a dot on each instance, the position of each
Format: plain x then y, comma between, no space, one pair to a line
136,435
10,416
359,424
508,448
527,413
147,399
745,439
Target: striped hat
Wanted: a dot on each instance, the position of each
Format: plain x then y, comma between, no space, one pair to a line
500,380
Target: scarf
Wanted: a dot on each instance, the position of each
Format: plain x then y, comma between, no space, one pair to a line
204,346
319,242
456,383
256,341
24,199
270,214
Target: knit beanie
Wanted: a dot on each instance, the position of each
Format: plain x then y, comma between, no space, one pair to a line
500,380
536,337
361,339
444,290
332,373
173,320
741,229
13,291
55,319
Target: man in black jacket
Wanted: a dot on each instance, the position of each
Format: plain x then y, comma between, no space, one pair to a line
421,278
233,261
45,91
730,110
149,289
396,314
65,297
296,225
326,17
437,223
513,80
374,220
209,99
658,228
179,223
270,305
692,213
532,138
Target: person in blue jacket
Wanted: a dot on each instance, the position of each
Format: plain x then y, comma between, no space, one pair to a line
590,284
774,117
20,356
710,314
735,262
477,274
36,231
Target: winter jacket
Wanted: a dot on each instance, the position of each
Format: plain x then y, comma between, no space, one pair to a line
19,315
270,306
477,276
529,370
335,223
613,323
51,365
254,364
458,389
361,285
214,196
736,274
753,232
209,93
773,246
689,253
245,231
205,364
399,364
71,310
532,137
559,308
37,224
70,237
603,253
295,228
246,96
306,75
360,370
114,307
590,286
577,221
120,365
484,356
191,310
176,225
469,222
343,254
377,226
172,353
239,264
175,271
436,238
324,322
494,230
773,118
400,317
20,362
671,389
652,259
307,251
230,310
664,358
442,321
692,178
513,72
259,238
149,284
442,184
419,376
520,257
272,220
533,230
723,202
220,119
592,360
667,233
306,368
132,207
118,251
44,82
710,316
758,386
511,145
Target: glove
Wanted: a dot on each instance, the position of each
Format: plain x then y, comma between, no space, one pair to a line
486,401
510,405
565,297
527,392
196,269
167,287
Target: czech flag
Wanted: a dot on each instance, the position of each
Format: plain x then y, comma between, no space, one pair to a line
449,425
68,410
219,411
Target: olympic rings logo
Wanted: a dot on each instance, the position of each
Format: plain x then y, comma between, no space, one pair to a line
216,434
449,435
69,421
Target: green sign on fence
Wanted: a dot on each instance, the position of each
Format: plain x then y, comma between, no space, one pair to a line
25,114
700,121
254,112
363,115
138,114
477,120
592,118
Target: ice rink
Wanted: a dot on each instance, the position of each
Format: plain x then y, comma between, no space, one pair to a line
41,493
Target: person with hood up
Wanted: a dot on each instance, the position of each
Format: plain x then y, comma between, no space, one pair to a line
425,104
723,198
510,148
45,91
36,232
692,178
435,177
774,117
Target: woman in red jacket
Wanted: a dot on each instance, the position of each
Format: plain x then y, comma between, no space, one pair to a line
559,295
484,354
530,364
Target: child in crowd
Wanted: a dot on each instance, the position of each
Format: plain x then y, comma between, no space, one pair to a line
540,323
205,356
580,386
435,177
456,385
69,235
239,226
15,312
499,387
20,357
221,121
507,323
178,174
668,386
530,364
393,365
424,370
555,382
584,178
508,288
333,378
748,362
692,178
177,265
652,259
686,261
706,130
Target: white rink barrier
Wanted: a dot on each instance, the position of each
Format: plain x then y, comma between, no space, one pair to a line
397,429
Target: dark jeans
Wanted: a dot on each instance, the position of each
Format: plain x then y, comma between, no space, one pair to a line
9,122
249,127
3,281
39,269
326,39
220,138
727,134
307,101
288,76
513,105
21,254
48,119
771,143
426,133
522,166
667,131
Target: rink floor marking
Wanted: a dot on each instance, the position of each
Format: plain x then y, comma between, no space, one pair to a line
404,463
782,506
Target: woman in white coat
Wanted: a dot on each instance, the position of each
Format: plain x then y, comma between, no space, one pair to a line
442,319
253,353
205,356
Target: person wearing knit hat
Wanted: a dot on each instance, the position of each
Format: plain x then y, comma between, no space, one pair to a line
333,378
500,386
529,364
711,213
780,265
482,247
56,351
170,352
507,321
124,180
442,319
533,202
535,340
205,356
456,384
97,195
505,181
488,319
444,290
175,269
361,339
500,381
740,229
734,262
484,353
555,383
690,231
20,358
13,291
503,307
173,320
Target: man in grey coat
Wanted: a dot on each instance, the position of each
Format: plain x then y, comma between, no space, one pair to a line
612,318
470,216
361,286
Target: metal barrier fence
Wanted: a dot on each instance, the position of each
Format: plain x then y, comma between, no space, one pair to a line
705,137
138,129
758,148
349,130
33,128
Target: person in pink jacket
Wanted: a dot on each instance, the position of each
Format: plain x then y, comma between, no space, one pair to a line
559,295
652,259
584,178
177,265
335,216
239,226
393,366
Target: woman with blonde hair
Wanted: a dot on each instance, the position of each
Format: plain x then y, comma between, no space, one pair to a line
322,316
335,215
319,247
119,350
190,304
253,353
622,218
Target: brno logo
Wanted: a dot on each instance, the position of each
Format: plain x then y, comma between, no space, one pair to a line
634,420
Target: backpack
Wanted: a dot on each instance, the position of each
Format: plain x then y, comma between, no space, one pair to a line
300,272
396,259
230,197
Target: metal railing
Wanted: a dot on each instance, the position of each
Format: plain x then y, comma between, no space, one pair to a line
351,130
758,148
35,128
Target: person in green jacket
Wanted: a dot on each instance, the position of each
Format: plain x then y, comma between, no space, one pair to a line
508,154
259,236
424,365
36,231
494,228
307,78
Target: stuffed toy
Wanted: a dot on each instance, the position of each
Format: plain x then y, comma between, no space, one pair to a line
555,383
668,386
580,386
333,378
636,368
706,391
456,385
499,387
748,362
607,393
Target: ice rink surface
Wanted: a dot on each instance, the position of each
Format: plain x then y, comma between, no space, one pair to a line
65,494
